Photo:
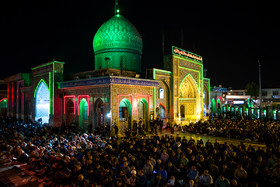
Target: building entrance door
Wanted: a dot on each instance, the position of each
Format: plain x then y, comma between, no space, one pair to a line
70,116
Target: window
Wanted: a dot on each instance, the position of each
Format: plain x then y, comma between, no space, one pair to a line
182,112
264,93
275,93
123,63
161,93
123,111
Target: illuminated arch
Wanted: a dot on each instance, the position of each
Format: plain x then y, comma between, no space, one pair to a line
4,100
213,105
124,114
189,106
188,87
3,103
145,108
206,94
99,112
70,111
42,102
143,111
219,104
42,80
83,112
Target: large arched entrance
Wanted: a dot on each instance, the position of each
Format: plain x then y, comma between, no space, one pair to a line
99,113
42,102
83,113
70,113
188,99
143,111
124,115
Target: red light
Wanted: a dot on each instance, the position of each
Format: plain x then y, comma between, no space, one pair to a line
8,93
12,95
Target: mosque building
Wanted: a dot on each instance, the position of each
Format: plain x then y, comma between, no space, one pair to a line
113,92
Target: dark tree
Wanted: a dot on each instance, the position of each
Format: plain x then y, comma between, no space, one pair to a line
252,89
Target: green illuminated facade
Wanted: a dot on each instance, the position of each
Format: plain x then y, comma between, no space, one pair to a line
117,44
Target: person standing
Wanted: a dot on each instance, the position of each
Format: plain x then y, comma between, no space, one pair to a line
108,129
116,130
140,128
148,169
135,126
160,125
152,126
172,126
156,127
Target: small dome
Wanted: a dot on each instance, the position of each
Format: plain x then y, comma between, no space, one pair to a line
117,33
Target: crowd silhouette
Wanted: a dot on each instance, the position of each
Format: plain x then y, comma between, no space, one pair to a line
68,157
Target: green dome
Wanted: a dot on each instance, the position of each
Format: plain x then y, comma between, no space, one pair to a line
117,32
117,44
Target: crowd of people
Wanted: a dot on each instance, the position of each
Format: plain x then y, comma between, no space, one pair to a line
243,129
63,157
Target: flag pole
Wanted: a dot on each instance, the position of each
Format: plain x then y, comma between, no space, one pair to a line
260,87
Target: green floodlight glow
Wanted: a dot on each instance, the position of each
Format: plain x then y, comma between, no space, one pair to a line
213,102
264,113
3,103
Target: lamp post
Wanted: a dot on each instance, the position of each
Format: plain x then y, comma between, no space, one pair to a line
260,89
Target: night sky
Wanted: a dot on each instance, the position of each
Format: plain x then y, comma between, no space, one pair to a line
230,35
